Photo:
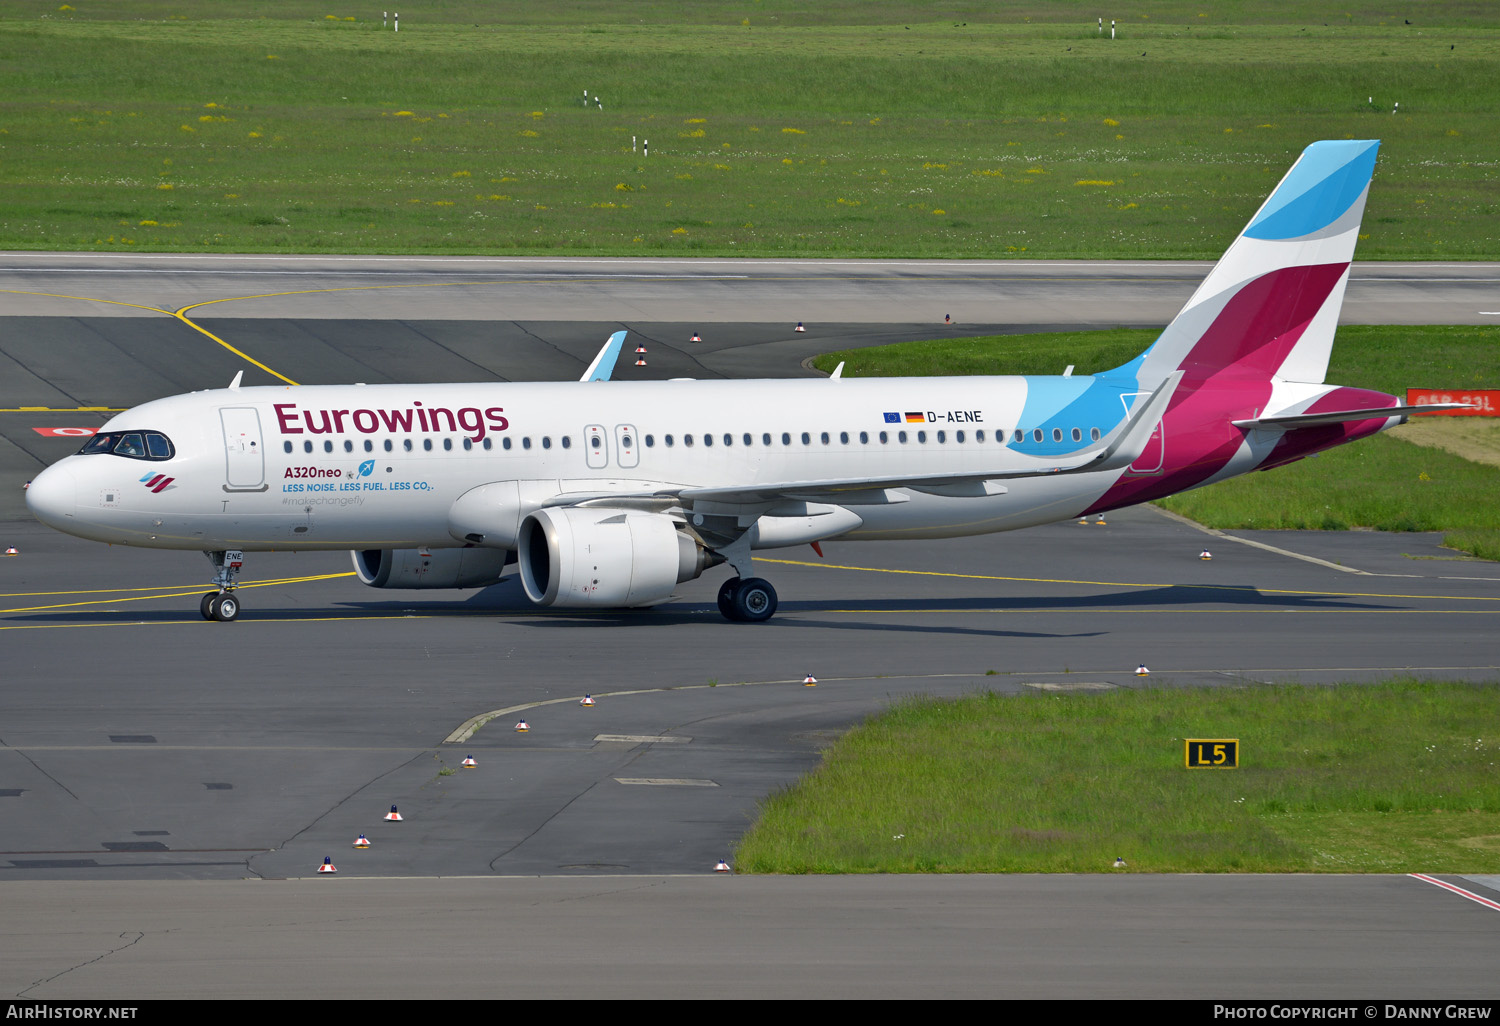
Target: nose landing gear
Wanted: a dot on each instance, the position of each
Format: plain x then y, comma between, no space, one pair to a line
223,605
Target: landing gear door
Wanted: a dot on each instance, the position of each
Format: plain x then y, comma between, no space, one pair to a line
244,456
596,446
627,453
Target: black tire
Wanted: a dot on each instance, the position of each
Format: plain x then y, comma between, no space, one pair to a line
225,607
755,601
205,605
727,592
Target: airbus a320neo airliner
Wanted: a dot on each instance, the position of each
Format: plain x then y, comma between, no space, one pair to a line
609,493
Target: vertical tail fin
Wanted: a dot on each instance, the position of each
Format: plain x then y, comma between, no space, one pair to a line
1270,305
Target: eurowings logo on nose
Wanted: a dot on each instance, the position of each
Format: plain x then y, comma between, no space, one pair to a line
158,483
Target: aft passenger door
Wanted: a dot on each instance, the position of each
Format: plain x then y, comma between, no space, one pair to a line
244,456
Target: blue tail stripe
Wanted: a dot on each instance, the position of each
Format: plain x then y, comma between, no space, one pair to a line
1325,183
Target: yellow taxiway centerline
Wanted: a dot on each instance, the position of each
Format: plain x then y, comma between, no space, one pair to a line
1132,584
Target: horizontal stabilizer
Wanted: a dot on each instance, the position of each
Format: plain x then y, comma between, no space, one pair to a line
1302,420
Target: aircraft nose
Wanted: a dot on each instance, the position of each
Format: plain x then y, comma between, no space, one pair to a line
53,497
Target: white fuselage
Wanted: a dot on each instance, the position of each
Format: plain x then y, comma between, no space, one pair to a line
380,466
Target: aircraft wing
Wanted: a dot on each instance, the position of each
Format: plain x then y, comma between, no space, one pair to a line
1116,451
604,363
1302,420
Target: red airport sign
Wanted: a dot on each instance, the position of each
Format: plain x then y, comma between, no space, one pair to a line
1486,401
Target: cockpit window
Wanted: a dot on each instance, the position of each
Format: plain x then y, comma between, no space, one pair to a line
136,445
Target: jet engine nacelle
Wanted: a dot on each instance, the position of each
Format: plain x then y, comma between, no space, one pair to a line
584,556
430,568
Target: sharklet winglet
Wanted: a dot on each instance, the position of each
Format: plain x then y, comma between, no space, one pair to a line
604,363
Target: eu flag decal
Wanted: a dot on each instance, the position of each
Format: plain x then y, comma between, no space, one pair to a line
893,418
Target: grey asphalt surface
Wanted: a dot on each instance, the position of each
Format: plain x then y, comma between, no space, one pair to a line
169,786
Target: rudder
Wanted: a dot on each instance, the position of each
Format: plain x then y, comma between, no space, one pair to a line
1270,306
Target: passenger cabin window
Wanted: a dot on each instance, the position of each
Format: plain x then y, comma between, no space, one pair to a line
136,445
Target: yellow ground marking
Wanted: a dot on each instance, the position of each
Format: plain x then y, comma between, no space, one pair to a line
1174,610
169,313
195,621
172,587
195,589
87,299
181,315
1131,584
62,409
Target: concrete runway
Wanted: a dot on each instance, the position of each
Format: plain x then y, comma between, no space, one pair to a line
171,785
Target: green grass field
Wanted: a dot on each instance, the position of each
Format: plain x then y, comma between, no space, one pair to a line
776,128
1390,778
1382,483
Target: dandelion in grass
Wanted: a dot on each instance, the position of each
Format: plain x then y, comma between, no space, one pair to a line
1111,122
529,134
538,114
786,160
461,174
695,121
622,187
405,114
679,231
793,131
165,187
696,133
187,128
1094,181
255,135
231,195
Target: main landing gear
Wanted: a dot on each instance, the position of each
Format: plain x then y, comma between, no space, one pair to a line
223,605
747,600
